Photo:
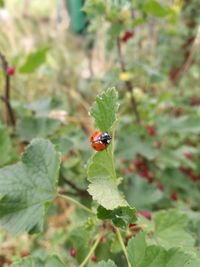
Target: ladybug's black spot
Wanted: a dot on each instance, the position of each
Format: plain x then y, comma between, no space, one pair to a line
105,138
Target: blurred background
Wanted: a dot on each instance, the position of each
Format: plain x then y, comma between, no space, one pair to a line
59,55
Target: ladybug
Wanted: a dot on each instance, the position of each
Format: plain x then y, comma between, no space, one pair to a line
100,140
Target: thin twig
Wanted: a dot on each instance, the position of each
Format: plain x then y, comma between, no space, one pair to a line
128,84
76,194
6,98
91,251
191,55
78,204
75,187
119,236
9,110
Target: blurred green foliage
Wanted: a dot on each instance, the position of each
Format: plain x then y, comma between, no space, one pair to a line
141,48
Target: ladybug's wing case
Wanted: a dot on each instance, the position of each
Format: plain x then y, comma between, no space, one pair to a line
98,146
96,135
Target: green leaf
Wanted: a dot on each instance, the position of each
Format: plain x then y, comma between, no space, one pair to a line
121,217
6,149
154,257
44,105
30,261
170,229
183,125
28,187
51,261
168,158
141,255
103,182
157,256
109,263
156,9
129,145
177,258
34,60
187,125
136,188
136,249
104,109
54,261
30,127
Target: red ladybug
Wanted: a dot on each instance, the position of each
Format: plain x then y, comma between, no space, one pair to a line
100,140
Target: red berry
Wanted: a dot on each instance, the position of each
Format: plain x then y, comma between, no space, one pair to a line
132,225
73,252
146,214
102,240
10,71
174,196
194,177
24,253
126,36
151,130
94,258
139,163
145,174
185,170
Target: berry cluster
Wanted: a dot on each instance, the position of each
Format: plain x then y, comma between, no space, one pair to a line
190,173
142,168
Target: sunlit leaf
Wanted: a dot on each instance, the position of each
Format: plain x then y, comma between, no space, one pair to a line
34,60
156,9
104,109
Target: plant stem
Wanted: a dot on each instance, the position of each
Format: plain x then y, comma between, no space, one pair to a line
119,236
128,84
191,55
90,252
78,204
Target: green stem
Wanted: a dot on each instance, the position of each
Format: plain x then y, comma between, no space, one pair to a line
78,204
91,251
119,236
110,155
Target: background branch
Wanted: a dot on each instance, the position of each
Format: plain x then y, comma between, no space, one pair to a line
128,84
78,191
6,97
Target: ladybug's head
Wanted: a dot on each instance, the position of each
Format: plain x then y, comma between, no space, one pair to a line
105,138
